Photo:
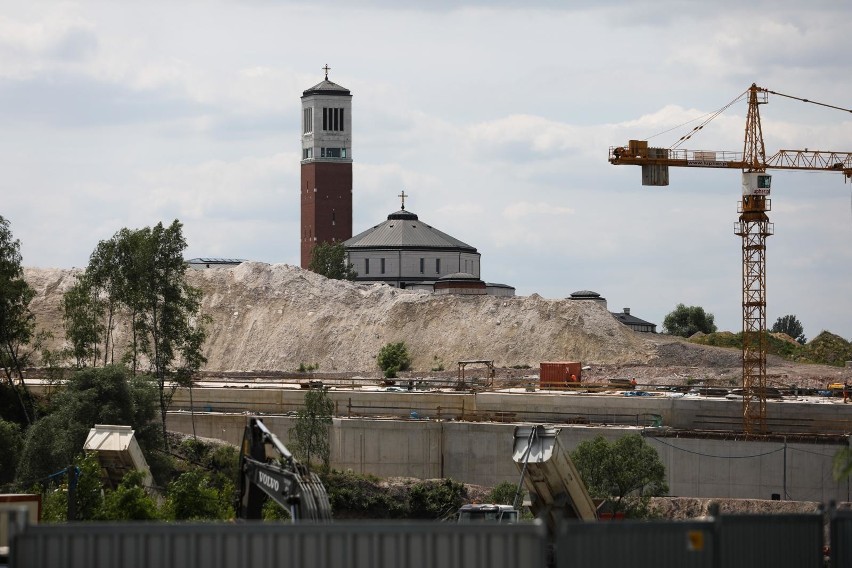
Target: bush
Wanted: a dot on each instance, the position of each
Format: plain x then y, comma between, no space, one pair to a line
435,500
129,501
503,493
357,496
393,358
192,496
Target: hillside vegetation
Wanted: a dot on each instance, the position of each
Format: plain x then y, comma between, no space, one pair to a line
826,348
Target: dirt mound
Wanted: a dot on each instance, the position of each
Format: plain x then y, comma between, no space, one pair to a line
274,317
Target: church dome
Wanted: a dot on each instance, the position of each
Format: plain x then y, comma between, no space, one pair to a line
459,276
404,230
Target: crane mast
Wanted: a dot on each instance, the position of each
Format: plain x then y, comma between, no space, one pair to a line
753,225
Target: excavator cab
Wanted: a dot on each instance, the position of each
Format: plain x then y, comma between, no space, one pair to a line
270,471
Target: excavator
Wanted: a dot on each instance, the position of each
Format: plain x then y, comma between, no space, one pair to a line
270,471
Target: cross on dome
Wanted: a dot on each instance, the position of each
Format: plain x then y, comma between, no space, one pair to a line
403,196
326,69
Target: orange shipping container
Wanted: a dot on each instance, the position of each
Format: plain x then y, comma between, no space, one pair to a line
555,373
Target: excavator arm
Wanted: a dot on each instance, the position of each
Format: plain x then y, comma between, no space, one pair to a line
269,470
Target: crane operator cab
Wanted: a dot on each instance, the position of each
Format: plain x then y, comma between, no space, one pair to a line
756,183
487,513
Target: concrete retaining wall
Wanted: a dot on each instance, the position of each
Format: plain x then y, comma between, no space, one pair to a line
480,453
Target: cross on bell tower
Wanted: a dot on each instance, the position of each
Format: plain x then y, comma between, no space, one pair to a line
326,180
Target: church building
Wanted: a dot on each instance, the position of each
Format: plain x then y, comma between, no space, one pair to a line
403,251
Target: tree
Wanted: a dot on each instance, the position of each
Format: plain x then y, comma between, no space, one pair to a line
192,497
842,465
139,276
309,435
16,320
687,321
790,325
91,396
11,443
393,358
82,312
129,501
88,492
627,472
329,260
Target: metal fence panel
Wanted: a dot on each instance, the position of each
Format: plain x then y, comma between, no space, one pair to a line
841,538
780,541
268,545
616,544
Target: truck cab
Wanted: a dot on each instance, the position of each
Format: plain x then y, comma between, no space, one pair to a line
487,513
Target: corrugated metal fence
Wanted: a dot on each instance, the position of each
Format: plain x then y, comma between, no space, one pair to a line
726,541
268,545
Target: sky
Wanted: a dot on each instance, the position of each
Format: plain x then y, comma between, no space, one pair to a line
496,120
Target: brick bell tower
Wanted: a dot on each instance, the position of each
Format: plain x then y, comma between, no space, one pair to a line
326,183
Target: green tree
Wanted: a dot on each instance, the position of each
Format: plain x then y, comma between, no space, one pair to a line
11,444
82,312
193,497
88,491
91,396
129,501
139,277
790,325
436,499
627,472
329,260
393,358
686,321
842,466
309,435
16,320
503,493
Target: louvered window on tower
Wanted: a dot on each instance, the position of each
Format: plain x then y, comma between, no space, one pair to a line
332,119
309,121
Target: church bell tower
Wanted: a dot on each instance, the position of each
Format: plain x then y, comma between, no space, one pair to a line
326,181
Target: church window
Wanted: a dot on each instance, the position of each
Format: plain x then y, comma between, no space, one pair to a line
366,266
335,127
421,265
383,266
341,122
437,266
324,118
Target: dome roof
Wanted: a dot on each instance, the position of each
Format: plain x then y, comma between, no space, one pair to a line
584,294
459,276
404,230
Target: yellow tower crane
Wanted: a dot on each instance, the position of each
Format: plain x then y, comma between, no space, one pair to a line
753,225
